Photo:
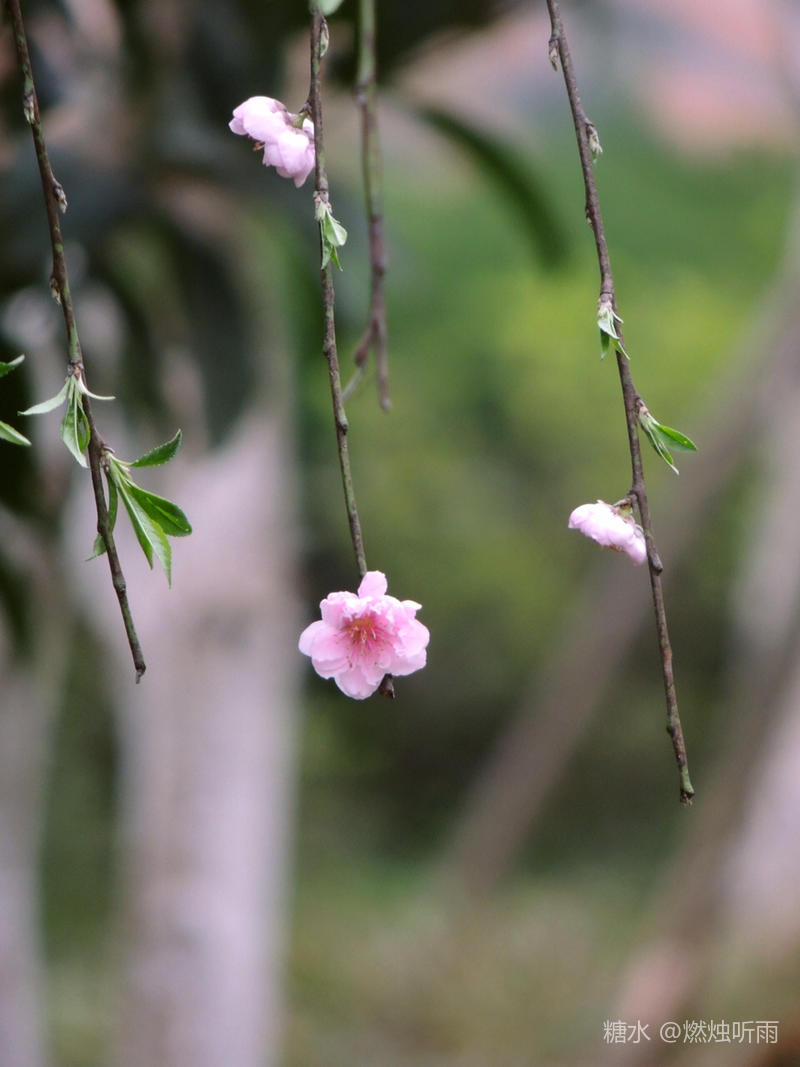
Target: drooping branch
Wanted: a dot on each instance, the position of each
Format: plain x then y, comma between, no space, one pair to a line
319,33
588,144
319,37
56,201
375,335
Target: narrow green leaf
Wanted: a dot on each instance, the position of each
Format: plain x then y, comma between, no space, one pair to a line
606,317
8,433
52,403
149,534
659,446
73,430
335,233
82,388
84,433
159,454
605,320
162,511
113,504
134,515
676,438
6,368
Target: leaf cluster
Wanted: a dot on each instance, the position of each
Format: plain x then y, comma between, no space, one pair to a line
663,438
154,518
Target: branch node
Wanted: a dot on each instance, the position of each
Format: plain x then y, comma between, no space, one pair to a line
60,195
29,106
594,140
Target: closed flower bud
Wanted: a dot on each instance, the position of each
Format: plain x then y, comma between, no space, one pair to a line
288,147
607,525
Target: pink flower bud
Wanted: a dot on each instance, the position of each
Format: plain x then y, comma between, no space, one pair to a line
288,148
607,525
362,637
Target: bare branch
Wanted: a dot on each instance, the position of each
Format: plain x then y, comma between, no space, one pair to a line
375,335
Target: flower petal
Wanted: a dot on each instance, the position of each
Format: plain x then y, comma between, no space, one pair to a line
259,117
353,683
373,584
336,608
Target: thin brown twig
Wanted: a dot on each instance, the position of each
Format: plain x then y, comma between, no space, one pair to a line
375,335
55,201
319,35
322,195
586,135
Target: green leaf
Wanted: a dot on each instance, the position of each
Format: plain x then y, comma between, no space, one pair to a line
606,317
333,235
6,368
675,438
334,231
162,511
8,433
74,427
327,7
113,504
149,534
330,255
82,388
657,443
663,438
159,454
52,403
152,517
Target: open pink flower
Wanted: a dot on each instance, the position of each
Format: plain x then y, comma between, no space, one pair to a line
287,147
361,637
607,525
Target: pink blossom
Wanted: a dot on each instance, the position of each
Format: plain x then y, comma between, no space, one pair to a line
287,147
361,637
607,525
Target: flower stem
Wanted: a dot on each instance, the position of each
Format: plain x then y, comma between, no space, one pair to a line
326,276
586,133
55,200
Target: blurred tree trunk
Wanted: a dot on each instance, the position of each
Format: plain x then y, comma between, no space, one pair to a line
31,687
207,745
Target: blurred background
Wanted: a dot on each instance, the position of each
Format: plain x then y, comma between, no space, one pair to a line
232,863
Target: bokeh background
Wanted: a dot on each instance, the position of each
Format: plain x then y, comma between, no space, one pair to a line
231,863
